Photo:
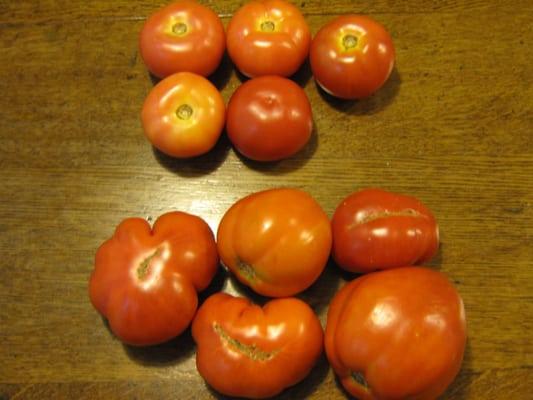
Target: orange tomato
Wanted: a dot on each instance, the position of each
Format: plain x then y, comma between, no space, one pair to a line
276,241
183,115
247,351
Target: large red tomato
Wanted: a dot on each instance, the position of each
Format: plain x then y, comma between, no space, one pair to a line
276,241
352,56
249,351
183,115
183,36
397,334
269,118
268,38
374,229
145,280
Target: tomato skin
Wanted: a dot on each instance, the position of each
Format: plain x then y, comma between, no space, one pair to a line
167,50
403,331
183,115
145,281
352,72
375,229
255,352
276,241
269,118
268,38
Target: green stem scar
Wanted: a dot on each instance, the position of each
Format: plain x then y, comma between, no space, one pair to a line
142,271
246,270
179,29
268,26
251,351
184,112
349,41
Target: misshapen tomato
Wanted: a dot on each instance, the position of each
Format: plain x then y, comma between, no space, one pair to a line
145,280
276,241
375,229
396,334
248,351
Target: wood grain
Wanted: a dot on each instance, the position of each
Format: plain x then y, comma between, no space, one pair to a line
453,126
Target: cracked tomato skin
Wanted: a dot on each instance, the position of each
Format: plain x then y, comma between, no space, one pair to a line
145,280
276,241
396,334
374,229
255,352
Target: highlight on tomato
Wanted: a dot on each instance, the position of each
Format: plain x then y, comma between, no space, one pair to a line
145,280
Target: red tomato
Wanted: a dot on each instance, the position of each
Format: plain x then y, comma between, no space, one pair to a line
247,351
183,36
352,56
145,280
397,334
269,118
374,229
276,241
183,115
268,38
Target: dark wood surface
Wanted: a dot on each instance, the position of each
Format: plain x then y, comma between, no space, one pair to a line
453,126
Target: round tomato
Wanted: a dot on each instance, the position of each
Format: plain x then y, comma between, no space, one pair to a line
269,118
183,36
183,115
374,229
247,351
397,334
268,38
145,280
276,241
352,56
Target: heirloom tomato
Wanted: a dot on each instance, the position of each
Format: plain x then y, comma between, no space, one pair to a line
255,352
145,279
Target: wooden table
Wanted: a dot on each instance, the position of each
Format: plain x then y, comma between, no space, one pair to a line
453,126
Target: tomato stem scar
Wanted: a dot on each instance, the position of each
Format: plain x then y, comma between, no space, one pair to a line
268,26
143,267
349,41
251,351
246,270
359,379
184,112
408,212
179,29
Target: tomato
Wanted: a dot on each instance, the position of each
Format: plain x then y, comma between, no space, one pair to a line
268,38
374,229
397,334
352,56
248,351
183,36
276,241
269,118
145,280
183,115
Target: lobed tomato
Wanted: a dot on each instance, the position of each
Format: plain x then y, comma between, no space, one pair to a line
145,280
248,351
268,38
183,115
397,334
276,241
375,229
269,118
352,56
182,37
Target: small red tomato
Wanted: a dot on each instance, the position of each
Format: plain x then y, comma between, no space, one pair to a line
397,334
183,115
374,229
255,352
352,56
269,118
145,280
268,38
183,36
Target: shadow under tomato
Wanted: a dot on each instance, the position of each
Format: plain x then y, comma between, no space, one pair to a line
217,285
371,105
436,262
222,74
236,288
460,387
304,74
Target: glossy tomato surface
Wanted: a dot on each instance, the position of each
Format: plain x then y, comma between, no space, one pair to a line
145,280
269,118
397,334
182,37
275,241
352,56
268,38
375,229
183,116
255,352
